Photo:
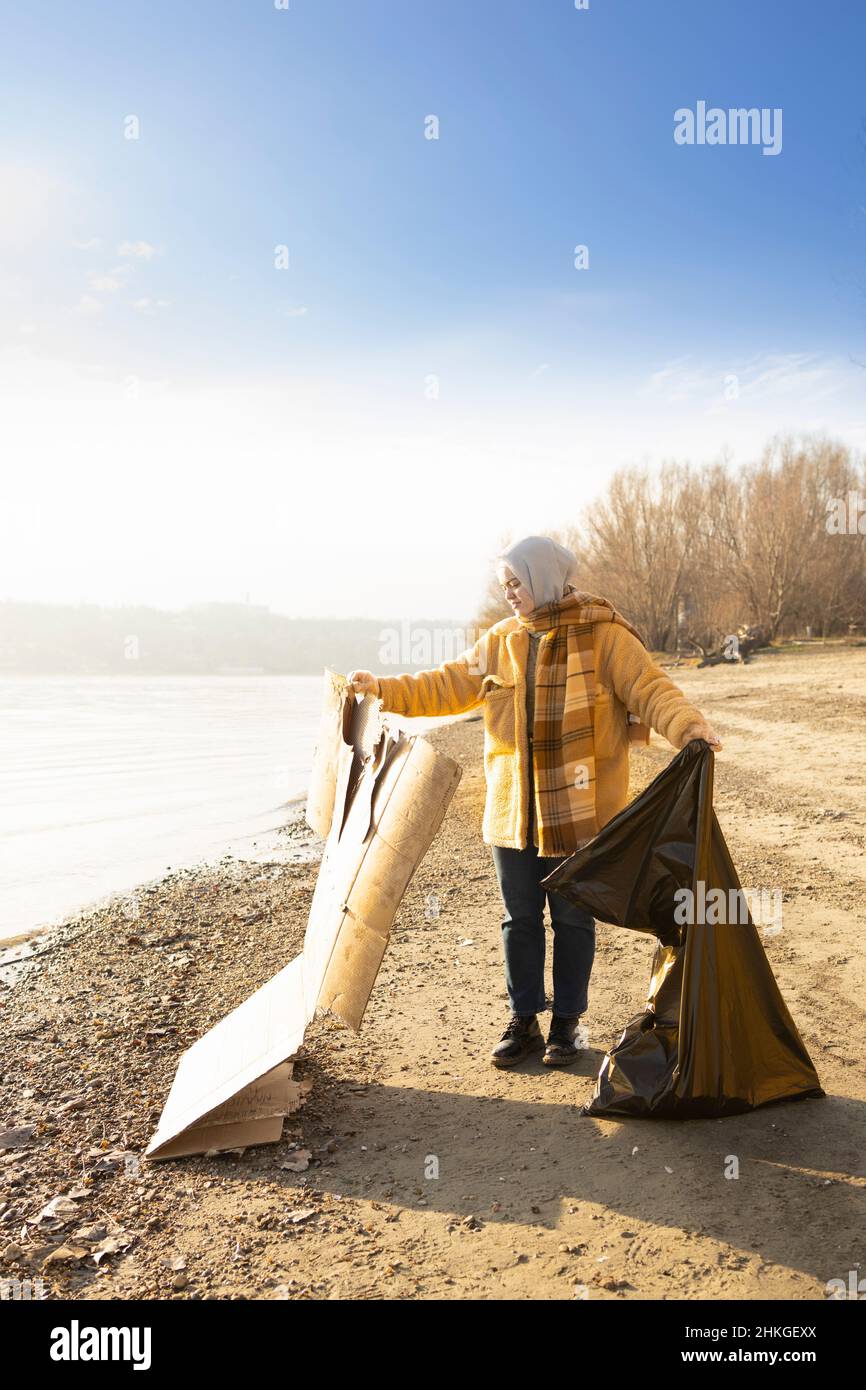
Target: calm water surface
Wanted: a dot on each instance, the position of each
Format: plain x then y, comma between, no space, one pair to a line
108,781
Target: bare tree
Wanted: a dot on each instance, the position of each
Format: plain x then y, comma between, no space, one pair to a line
691,555
774,526
639,546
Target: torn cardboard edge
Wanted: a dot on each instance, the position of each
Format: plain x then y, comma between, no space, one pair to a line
379,796
253,1116
238,1062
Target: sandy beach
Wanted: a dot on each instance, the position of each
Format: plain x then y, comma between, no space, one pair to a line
415,1169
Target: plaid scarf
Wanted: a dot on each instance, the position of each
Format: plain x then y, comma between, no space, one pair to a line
563,731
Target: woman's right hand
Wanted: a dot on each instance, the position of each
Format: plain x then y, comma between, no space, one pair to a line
363,682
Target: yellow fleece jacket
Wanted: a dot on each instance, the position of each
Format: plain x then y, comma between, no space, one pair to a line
492,673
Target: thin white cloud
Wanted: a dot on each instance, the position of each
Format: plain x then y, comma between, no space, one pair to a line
661,378
140,249
806,377
146,305
296,311
108,282
93,244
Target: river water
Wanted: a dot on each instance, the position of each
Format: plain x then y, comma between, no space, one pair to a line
109,781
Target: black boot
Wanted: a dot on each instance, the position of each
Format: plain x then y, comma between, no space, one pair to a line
564,1043
522,1037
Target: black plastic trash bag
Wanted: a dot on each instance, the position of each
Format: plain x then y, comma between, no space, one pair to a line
716,1037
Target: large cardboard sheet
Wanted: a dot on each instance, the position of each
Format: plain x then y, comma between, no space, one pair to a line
379,796
395,812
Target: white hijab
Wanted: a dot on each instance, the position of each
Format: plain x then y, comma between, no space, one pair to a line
542,566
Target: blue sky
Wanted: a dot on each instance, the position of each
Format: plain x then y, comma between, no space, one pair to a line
431,338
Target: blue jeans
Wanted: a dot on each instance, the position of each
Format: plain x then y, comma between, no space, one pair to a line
520,872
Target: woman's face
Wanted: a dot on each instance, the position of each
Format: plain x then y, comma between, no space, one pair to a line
517,597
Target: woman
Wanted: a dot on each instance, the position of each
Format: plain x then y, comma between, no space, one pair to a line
565,684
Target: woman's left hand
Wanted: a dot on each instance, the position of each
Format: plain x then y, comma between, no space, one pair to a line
702,730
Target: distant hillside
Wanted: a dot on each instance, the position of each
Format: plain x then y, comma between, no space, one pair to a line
207,639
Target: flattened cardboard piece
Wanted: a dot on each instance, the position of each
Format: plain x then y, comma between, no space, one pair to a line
382,797
254,1116
275,1093
330,742
221,1138
246,1045
350,732
365,872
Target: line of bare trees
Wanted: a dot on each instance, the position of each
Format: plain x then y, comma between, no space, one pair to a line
691,554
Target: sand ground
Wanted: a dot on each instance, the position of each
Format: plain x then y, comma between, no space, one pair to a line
430,1173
